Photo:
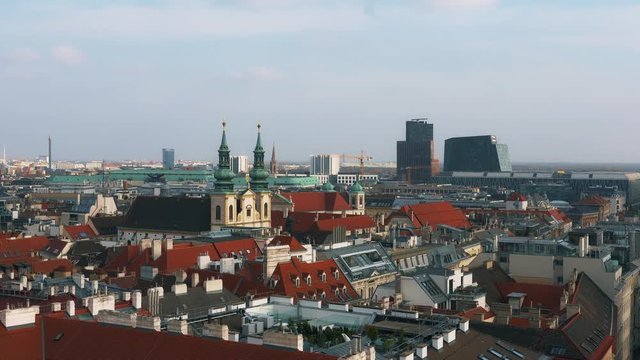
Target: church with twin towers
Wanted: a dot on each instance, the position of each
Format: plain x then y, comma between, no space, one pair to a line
250,207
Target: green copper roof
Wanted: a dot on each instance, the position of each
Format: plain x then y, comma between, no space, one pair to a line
223,173
327,187
356,187
259,173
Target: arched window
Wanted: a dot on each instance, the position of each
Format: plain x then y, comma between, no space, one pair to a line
218,212
265,213
248,212
230,212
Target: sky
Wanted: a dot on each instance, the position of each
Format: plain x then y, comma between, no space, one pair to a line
554,80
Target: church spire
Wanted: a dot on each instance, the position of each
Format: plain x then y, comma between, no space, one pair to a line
223,173
259,174
273,165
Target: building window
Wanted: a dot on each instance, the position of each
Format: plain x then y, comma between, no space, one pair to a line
265,213
230,212
297,282
218,212
309,280
336,274
248,211
323,277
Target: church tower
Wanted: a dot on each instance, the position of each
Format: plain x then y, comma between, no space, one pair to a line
223,203
356,197
260,185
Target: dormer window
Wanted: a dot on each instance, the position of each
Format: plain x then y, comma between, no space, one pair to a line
336,275
308,278
323,276
344,289
297,282
323,295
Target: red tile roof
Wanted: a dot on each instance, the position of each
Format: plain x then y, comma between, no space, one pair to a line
24,343
516,196
56,246
79,232
286,273
23,246
302,222
350,223
49,266
547,296
593,200
66,339
247,247
290,240
317,201
182,256
433,214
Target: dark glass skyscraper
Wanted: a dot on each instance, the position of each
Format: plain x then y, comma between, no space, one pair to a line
476,153
168,160
415,154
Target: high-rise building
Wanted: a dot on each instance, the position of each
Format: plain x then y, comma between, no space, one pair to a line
168,158
325,164
415,154
476,153
240,164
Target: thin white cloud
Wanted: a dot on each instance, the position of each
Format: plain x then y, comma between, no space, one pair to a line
68,55
257,73
187,22
22,55
463,3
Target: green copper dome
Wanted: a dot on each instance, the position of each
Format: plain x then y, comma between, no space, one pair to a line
356,187
223,173
327,187
259,173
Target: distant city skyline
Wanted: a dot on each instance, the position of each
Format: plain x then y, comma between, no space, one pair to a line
556,82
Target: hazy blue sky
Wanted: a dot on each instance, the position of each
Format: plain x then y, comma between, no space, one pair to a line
555,80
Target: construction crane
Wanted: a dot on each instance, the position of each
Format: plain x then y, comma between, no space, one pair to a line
361,159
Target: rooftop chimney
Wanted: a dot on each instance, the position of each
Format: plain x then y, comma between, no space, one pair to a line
156,249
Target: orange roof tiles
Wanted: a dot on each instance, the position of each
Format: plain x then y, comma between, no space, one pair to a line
317,201
546,296
433,214
286,273
47,267
290,240
79,232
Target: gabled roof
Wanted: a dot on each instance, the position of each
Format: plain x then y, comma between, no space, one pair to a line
593,200
22,246
350,223
289,240
247,248
56,246
433,214
286,273
48,267
106,225
80,232
317,201
537,295
173,214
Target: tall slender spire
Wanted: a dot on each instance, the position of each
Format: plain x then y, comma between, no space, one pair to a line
223,174
259,174
274,164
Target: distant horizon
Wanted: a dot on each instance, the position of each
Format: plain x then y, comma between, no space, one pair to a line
550,79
